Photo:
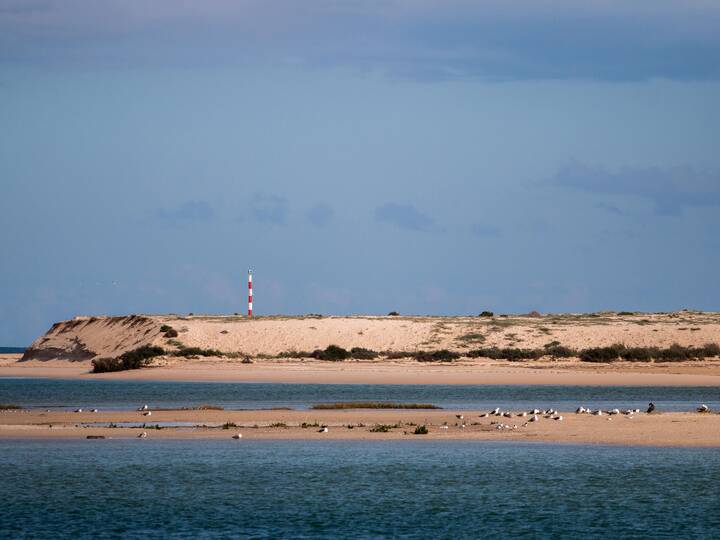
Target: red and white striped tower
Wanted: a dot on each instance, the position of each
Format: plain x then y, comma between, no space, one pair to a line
249,293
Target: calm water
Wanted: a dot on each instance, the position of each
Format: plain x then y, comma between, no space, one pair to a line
332,489
129,394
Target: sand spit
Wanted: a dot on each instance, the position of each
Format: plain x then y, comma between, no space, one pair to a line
67,349
663,429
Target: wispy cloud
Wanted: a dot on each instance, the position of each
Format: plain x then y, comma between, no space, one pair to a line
188,211
430,40
404,216
268,208
485,231
320,215
670,190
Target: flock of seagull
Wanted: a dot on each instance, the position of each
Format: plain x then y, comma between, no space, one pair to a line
532,416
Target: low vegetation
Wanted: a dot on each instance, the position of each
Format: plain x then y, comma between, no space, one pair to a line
168,331
443,355
421,430
373,405
196,351
135,359
383,428
9,406
674,353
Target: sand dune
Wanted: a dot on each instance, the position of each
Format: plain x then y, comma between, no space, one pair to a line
84,338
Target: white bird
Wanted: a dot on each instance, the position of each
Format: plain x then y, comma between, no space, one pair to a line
462,426
143,408
323,430
459,416
237,436
535,411
495,410
580,410
558,418
142,435
78,410
703,408
94,410
523,414
636,411
598,413
443,427
614,411
484,415
499,413
507,414
148,413
534,418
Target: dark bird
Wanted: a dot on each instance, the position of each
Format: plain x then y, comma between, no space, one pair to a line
651,408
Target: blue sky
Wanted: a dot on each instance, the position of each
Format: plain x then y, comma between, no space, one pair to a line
429,157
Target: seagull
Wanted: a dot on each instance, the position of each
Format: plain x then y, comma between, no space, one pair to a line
459,416
507,414
237,436
703,408
534,418
142,435
78,410
614,411
495,410
148,413
580,410
94,410
535,411
598,413
484,415
558,418
651,407
143,408
323,430
523,414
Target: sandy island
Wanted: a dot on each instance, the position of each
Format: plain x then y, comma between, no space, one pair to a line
657,429
68,348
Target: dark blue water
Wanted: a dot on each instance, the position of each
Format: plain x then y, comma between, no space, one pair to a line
333,489
12,350
118,395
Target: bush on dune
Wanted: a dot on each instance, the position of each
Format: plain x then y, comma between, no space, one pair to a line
135,359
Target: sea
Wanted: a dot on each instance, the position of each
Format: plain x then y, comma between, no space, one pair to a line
358,489
128,395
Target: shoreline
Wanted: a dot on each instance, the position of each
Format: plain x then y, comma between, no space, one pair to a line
470,372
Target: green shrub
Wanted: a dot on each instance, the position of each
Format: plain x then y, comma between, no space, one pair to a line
486,314
421,430
361,353
393,314
508,353
602,354
560,351
381,428
332,353
443,355
196,351
638,354
134,359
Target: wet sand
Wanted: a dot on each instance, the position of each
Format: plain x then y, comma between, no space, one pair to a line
657,429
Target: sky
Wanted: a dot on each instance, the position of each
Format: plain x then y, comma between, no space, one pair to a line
428,157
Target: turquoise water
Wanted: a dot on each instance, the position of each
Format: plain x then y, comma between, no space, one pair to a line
334,489
118,395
